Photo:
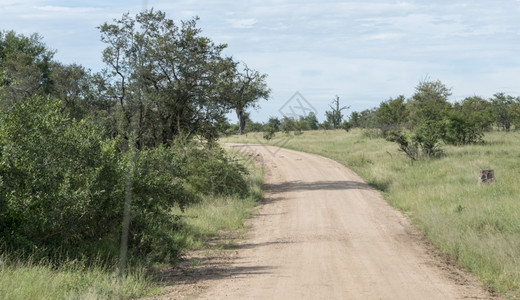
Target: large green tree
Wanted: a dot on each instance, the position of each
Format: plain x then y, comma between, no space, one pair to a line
167,77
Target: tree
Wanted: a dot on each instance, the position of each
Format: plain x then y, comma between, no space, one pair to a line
26,64
429,102
311,121
354,119
428,108
503,106
392,114
290,124
168,79
77,89
335,115
245,88
274,123
467,121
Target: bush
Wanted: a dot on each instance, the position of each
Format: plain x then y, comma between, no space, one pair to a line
409,147
209,171
59,182
269,132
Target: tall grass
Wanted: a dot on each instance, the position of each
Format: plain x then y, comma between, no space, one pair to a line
477,225
38,280
217,214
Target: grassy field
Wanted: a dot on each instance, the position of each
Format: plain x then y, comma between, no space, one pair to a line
210,218
477,225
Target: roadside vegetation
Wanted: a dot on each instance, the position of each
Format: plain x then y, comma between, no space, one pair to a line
81,151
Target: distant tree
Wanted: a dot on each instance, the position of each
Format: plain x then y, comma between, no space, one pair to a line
503,107
289,124
250,125
245,88
467,121
429,102
354,119
335,115
311,121
367,118
274,123
392,114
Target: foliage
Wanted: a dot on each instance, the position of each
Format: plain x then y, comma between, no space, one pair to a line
59,183
244,89
274,123
26,63
335,115
428,136
406,145
269,132
505,109
392,114
167,77
467,121
310,121
289,124
429,102
210,171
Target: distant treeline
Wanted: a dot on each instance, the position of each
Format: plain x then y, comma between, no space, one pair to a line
418,124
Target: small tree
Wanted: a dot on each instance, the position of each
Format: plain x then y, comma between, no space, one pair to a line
311,121
503,108
335,115
274,123
429,103
247,87
466,122
392,114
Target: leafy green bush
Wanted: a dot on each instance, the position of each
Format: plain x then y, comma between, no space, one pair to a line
58,180
210,171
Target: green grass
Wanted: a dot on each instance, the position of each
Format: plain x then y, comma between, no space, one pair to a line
30,280
210,218
477,225
217,215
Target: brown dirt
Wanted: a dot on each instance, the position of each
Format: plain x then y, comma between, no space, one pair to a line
322,233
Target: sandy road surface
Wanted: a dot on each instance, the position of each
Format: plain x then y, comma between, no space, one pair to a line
325,234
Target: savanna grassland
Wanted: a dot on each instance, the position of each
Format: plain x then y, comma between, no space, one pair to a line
476,225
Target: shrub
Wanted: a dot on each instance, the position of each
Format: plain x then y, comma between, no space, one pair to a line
209,171
58,181
269,132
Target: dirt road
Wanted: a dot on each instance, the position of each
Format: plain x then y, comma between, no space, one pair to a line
325,234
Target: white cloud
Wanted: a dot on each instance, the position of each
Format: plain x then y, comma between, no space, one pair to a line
242,23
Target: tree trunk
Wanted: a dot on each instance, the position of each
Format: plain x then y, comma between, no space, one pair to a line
241,122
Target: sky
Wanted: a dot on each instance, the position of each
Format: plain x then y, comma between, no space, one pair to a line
365,52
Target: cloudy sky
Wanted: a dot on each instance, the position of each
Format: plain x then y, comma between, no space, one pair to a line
363,51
